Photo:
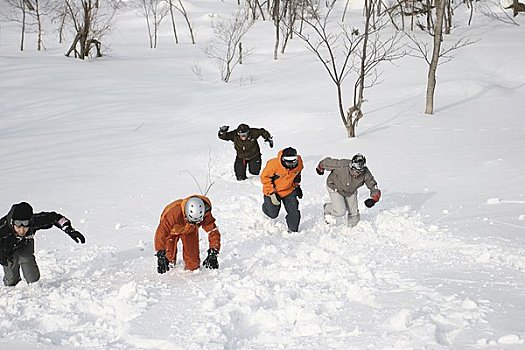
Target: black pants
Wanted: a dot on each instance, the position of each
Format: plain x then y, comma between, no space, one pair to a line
24,259
291,204
240,165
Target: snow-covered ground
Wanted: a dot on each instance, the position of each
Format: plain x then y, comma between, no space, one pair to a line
438,263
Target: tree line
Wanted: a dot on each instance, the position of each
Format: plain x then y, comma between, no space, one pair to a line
348,49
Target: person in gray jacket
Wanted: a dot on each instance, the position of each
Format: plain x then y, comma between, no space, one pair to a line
346,176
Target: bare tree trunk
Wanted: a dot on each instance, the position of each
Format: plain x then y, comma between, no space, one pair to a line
412,16
185,14
340,103
344,11
289,27
173,22
260,9
438,36
22,37
146,15
63,16
355,112
449,13
469,3
277,24
240,53
429,14
84,32
39,23
73,46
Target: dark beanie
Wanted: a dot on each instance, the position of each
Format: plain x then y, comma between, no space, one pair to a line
289,152
22,211
242,128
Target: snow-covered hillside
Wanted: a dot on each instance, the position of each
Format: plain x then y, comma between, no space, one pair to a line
438,263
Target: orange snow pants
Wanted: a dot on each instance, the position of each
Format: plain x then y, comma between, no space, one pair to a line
190,249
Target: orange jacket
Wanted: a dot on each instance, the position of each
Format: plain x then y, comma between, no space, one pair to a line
276,178
173,223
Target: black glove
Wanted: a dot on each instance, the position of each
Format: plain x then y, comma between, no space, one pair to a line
370,203
5,257
163,265
319,170
211,261
223,129
299,192
270,141
74,234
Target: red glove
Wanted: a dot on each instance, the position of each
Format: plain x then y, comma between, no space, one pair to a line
319,169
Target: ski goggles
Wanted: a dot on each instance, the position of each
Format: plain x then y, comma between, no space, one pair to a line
24,223
290,161
243,134
358,165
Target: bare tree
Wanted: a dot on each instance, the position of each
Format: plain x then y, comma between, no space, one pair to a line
180,7
374,50
432,67
228,37
276,17
42,10
19,13
38,16
62,17
342,49
172,17
436,55
91,19
154,11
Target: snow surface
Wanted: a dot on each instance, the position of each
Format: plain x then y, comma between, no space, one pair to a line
439,263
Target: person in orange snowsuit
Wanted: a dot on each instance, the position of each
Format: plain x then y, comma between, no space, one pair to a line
281,180
180,220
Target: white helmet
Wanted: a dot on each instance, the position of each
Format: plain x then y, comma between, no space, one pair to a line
194,210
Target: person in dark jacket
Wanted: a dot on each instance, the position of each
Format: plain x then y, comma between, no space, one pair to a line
245,143
346,176
17,246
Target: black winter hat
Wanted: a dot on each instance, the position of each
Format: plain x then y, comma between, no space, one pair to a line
289,158
243,128
21,211
289,152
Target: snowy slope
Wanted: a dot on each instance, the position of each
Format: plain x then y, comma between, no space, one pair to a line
439,263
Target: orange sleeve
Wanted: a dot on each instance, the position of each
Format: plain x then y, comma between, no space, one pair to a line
163,230
214,236
169,225
266,178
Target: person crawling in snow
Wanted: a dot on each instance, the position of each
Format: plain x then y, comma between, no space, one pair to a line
180,220
346,176
247,147
17,245
281,180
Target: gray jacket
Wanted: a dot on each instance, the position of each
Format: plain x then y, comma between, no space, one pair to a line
343,182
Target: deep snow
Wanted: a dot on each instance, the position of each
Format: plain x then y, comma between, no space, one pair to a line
439,262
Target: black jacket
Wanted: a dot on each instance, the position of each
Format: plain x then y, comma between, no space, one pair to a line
10,241
249,148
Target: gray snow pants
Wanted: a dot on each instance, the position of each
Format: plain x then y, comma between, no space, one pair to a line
23,258
340,205
291,204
